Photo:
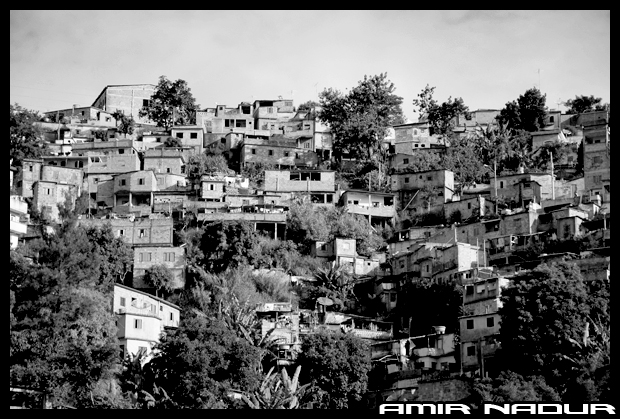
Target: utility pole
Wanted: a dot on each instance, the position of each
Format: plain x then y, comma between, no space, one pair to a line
552,176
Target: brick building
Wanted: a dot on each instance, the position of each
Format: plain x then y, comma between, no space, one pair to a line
127,98
147,256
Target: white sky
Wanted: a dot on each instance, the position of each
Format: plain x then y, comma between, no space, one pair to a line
61,58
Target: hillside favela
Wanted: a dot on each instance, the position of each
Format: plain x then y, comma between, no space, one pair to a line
326,254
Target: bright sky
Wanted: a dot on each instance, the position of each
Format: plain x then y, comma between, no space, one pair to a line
61,58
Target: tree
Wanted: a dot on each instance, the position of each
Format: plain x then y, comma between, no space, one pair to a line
173,142
334,283
422,161
583,103
336,365
543,313
509,387
359,119
124,124
202,360
255,172
527,113
172,103
202,164
441,118
101,135
63,336
229,244
308,105
26,137
159,277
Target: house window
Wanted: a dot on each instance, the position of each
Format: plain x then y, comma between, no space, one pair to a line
405,161
121,233
171,316
471,351
527,185
406,180
356,202
168,170
179,135
470,324
30,168
490,322
123,302
286,153
145,102
415,145
271,152
315,176
147,257
121,182
49,191
469,205
137,324
229,122
270,110
211,187
240,123
501,184
193,135
169,257
141,181
142,232
429,178
121,151
253,151
597,179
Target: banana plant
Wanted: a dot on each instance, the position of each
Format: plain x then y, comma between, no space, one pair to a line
277,391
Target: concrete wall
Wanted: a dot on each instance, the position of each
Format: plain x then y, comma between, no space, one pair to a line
190,136
164,161
171,257
212,189
142,181
48,195
157,231
281,180
127,98
63,175
28,173
449,390
278,153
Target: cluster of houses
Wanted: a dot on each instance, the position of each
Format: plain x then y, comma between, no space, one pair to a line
139,186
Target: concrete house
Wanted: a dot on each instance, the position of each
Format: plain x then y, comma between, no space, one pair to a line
285,323
152,231
597,158
285,152
47,195
222,119
520,187
164,160
318,184
480,326
147,256
406,188
343,253
190,136
269,114
415,136
141,318
19,219
377,207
